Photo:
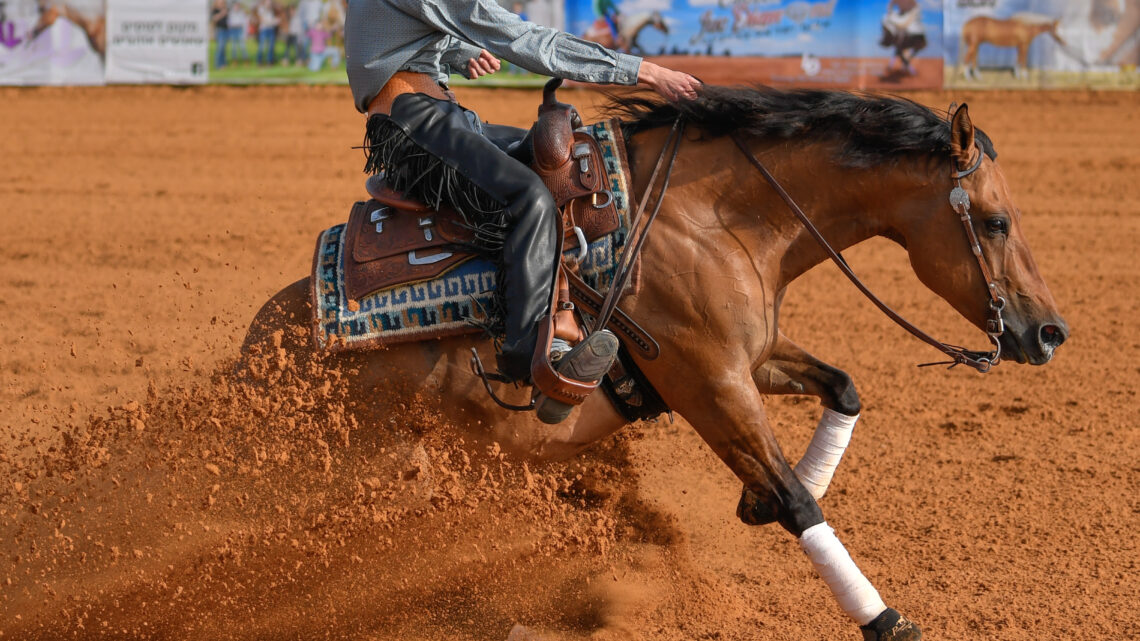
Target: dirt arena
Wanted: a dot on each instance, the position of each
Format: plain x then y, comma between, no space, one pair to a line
150,495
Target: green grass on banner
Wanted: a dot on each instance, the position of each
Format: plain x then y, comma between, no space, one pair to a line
248,72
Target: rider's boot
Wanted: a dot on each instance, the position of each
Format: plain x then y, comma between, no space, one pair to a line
588,361
575,356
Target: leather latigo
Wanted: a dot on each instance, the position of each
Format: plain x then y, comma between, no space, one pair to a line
381,241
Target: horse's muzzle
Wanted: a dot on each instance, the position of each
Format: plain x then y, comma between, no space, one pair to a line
1034,344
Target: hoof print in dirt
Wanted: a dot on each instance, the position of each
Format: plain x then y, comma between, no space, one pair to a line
891,626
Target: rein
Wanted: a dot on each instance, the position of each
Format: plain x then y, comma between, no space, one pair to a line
960,201
637,232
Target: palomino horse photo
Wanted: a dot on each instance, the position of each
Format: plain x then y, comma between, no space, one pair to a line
629,30
1019,31
715,270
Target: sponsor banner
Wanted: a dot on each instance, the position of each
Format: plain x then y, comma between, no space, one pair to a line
844,43
163,41
48,42
1042,43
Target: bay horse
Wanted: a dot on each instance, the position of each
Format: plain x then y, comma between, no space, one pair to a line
629,30
715,269
1018,31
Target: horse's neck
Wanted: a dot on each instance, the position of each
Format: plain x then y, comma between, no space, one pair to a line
846,205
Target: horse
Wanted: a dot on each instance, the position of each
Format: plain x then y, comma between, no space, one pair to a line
715,270
1019,31
629,30
94,27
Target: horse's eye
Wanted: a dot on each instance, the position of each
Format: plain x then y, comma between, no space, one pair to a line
997,225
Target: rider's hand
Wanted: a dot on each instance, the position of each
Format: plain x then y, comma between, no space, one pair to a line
672,85
485,64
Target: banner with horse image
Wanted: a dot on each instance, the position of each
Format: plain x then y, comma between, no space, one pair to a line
50,42
830,43
1042,43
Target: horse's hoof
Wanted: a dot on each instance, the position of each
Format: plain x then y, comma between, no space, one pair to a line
891,626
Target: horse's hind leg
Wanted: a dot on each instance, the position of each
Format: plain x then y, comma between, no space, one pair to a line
792,370
730,417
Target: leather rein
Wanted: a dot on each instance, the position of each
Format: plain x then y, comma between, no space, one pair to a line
960,201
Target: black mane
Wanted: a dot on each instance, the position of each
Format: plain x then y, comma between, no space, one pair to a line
869,129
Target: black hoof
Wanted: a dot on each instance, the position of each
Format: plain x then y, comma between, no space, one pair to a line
891,626
752,511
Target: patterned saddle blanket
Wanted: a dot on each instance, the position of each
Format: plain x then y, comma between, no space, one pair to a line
441,293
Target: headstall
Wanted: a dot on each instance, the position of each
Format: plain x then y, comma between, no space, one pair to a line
960,201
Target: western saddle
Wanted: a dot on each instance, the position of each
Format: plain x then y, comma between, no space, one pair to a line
393,240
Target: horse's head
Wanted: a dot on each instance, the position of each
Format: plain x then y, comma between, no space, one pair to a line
940,252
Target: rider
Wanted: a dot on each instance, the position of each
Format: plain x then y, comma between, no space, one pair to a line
399,55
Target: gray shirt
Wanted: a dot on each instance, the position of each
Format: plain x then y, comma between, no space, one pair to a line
438,37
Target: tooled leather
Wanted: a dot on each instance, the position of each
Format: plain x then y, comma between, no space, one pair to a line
379,190
369,268
402,232
553,136
636,339
564,177
593,222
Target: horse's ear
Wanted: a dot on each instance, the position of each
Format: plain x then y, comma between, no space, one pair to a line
961,137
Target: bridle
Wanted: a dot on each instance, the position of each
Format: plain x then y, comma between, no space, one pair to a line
960,202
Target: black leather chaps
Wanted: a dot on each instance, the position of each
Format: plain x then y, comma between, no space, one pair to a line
526,215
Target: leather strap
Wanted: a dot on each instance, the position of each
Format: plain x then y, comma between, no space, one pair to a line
634,337
981,361
542,372
638,233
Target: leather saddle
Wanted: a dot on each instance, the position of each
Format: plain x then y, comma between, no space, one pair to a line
392,240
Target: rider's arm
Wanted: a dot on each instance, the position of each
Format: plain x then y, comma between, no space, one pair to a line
533,47
456,57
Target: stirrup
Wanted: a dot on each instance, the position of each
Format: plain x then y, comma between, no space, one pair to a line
587,362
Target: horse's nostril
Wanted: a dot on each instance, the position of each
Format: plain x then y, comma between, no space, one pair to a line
1052,336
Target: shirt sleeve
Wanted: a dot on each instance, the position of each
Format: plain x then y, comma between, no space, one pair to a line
533,47
456,56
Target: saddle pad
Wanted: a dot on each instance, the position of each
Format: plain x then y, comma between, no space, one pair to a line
446,305
442,306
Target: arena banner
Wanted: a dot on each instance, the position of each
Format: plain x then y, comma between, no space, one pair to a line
52,42
839,43
163,41
1042,43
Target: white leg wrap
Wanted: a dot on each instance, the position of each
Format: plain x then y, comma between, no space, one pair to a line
852,590
827,445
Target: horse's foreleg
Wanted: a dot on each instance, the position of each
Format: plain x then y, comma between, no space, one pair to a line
792,370
1022,70
730,417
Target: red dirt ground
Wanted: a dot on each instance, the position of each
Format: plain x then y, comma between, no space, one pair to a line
149,496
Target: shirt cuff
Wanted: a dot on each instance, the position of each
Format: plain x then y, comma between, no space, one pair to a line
627,69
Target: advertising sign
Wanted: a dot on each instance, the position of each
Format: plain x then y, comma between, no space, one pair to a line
891,43
157,41
1042,43
49,42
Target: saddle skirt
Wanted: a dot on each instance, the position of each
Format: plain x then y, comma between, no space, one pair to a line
398,272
